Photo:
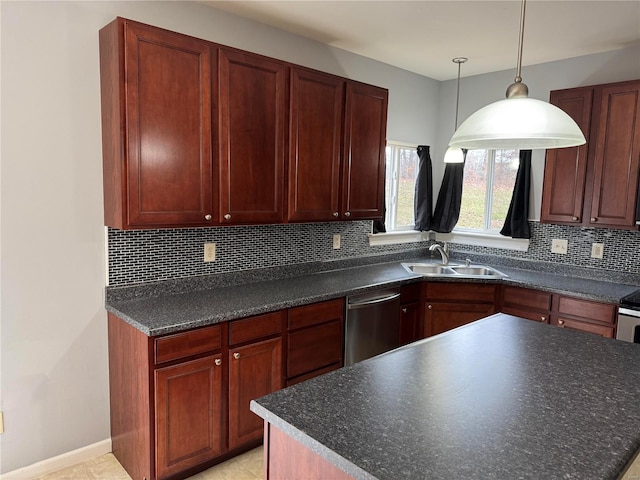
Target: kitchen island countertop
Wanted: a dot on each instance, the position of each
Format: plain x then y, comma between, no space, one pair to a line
499,398
162,313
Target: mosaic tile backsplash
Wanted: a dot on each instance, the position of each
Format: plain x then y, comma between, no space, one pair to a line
141,256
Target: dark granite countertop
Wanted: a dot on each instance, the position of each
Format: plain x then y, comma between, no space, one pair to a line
161,312
501,398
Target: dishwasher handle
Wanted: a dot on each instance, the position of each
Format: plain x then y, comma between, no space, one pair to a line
366,303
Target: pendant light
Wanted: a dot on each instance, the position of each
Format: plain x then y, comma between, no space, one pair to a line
518,122
455,154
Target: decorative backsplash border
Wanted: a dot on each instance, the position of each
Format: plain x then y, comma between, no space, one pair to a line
142,256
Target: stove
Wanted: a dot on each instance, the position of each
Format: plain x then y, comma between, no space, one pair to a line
629,318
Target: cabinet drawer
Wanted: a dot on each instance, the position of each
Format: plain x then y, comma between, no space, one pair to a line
186,344
255,328
526,297
571,324
461,292
600,312
316,313
313,348
528,314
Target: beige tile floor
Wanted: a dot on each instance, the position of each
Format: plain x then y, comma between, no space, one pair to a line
247,466
243,467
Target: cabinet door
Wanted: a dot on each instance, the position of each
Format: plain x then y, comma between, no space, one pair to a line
315,133
617,156
168,120
363,162
252,128
188,414
255,371
566,168
409,324
443,316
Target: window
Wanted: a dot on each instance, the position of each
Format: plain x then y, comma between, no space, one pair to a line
401,172
489,177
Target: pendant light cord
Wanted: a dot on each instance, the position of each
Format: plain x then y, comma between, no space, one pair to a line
520,43
459,61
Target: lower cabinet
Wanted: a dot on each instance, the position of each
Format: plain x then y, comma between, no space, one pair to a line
560,310
180,402
411,328
255,370
450,305
188,414
314,340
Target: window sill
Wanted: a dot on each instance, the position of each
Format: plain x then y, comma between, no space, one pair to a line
484,240
463,238
393,238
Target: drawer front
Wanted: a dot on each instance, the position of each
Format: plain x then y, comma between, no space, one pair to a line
528,298
255,328
528,314
571,324
316,313
187,344
315,373
313,348
600,312
469,292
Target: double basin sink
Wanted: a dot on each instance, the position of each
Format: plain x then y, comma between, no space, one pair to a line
453,270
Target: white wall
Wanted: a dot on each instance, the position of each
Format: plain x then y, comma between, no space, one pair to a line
54,373
480,90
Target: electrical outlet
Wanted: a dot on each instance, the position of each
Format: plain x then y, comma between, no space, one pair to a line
559,246
209,252
597,250
336,241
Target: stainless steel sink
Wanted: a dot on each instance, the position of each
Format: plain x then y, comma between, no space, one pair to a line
453,270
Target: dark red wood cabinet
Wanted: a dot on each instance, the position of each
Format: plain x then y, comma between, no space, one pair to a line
198,134
596,185
156,94
251,126
411,324
451,305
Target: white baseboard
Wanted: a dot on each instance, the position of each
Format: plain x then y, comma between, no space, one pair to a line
65,460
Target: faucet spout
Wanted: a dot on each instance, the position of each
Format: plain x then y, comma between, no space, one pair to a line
443,252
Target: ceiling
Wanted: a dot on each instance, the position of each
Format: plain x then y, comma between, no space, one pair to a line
424,36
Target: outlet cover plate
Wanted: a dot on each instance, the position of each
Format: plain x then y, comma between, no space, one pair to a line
209,252
559,246
597,250
336,241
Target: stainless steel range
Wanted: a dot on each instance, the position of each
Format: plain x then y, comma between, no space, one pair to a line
629,318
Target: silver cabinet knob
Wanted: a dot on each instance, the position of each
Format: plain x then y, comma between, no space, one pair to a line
335,214
207,217
236,355
560,323
429,307
594,219
575,219
543,318
404,310
218,362
347,214
227,216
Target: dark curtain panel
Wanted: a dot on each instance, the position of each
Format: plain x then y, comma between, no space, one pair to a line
447,211
378,225
423,198
516,224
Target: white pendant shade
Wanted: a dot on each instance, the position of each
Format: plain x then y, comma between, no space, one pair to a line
453,155
518,123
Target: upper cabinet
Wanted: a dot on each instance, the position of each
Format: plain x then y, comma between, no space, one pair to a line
198,134
364,145
252,128
596,185
156,126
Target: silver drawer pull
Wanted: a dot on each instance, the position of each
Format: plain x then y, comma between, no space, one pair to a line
236,355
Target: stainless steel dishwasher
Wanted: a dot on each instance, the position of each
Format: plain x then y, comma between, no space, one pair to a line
372,324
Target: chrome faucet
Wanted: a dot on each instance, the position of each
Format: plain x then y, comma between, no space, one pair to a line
444,252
